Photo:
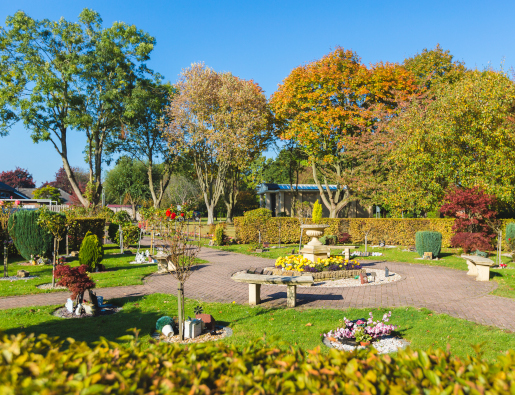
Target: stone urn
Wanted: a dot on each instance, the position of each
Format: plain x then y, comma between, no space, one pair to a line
314,249
163,264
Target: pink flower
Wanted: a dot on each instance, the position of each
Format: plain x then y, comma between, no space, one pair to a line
1,202
17,202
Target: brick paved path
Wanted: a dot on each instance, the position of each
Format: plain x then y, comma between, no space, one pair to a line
439,289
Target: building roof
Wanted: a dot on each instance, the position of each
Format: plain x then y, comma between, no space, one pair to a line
12,191
65,196
270,187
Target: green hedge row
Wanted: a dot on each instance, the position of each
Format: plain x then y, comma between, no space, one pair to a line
395,231
42,365
78,227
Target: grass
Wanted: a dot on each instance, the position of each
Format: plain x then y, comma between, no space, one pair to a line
295,327
120,272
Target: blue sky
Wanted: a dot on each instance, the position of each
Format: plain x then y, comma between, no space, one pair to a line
265,40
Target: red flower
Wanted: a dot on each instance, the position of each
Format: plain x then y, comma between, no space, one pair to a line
173,216
168,213
182,214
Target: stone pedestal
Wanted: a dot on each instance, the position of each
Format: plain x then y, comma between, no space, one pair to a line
291,296
314,249
483,273
254,294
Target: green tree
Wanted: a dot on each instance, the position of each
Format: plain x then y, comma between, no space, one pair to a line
127,182
144,138
435,66
48,192
61,75
464,136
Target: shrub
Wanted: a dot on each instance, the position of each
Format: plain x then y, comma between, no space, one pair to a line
79,226
470,241
29,237
219,236
53,366
428,241
317,212
91,252
130,234
328,240
121,217
344,238
112,230
76,279
510,235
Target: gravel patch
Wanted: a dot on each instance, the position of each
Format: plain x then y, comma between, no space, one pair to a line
385,345
221,332
14,278
62,312
49,286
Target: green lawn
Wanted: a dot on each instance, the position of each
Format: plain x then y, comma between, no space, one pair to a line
295,327
119,273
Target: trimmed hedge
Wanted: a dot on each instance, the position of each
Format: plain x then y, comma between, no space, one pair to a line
45,365
29,238
428,241
397,231
78,227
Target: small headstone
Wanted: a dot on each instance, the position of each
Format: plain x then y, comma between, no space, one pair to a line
22,273
258,271
74,253
259,251
373,276
69,305
208,320
211,243
364,279
78,309
266,244
100,300
293,251
386,271
428,255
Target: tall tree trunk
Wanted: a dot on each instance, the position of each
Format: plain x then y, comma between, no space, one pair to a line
211,185
230,207
163,184
334,201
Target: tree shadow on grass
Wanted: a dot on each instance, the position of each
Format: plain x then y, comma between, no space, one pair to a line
92,328
302,299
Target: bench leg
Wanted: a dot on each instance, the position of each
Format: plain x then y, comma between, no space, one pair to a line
254,294
483,273
291,296
472,268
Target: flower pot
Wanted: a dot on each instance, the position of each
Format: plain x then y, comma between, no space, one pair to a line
364,344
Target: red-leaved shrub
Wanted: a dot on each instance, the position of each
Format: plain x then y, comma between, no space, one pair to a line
76,279
343,238
470,242
471,207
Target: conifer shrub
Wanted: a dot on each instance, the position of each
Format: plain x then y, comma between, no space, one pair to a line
510,235
317,212
29,237
91,251
428,241
219,236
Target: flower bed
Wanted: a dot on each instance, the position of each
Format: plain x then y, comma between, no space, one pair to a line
298,263
361,330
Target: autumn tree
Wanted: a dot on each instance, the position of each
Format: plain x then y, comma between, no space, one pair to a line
219,121
144,139
17,178
63,75
61,181
463,136
332,108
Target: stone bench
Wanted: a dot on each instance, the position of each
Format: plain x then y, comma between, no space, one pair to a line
478,267
256,280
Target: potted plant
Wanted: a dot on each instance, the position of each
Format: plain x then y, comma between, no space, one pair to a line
362,337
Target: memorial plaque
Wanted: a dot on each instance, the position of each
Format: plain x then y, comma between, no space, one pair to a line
259,250
428,255
266,244
373,276
364,279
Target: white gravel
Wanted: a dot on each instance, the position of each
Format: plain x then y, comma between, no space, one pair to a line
385,345
14,278
352,282
49,286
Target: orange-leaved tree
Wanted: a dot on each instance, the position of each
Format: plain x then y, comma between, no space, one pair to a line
335,108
